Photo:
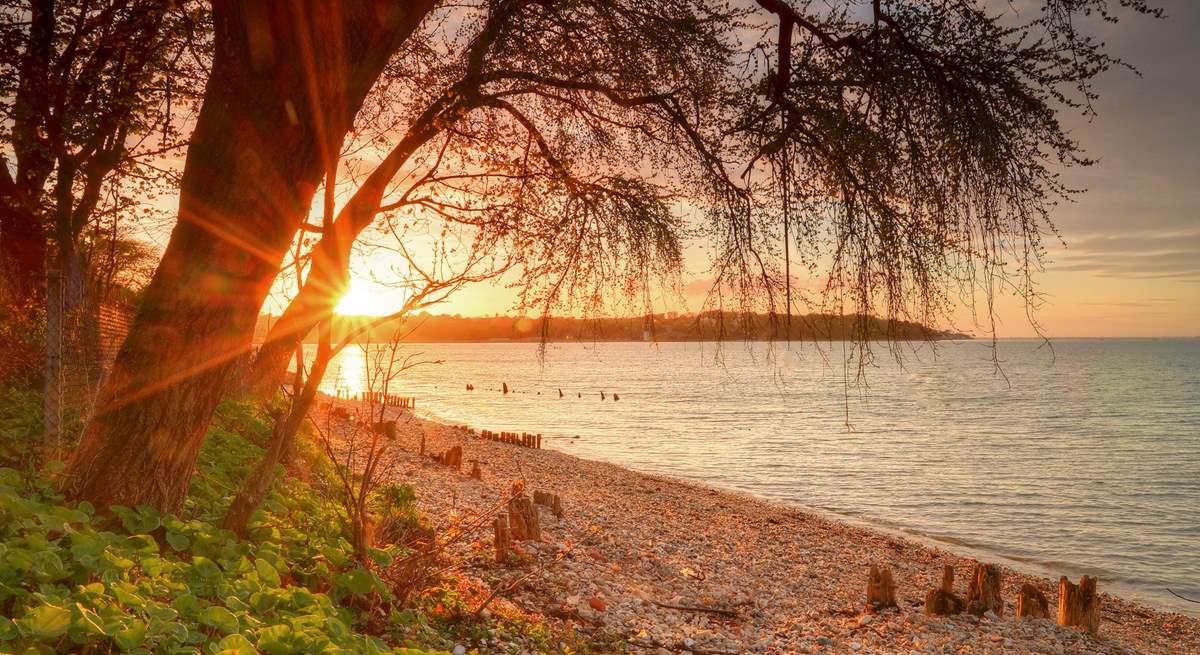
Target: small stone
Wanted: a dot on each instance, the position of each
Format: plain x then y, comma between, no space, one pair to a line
459,649
825,641
865,620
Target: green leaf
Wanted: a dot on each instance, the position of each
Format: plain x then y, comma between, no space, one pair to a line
10,478
205,567
178,541
127,597
186,604
141,520
142,544
266,572
88,621
220,618
47,621
131,637
356,581
236,645
275,640
382,558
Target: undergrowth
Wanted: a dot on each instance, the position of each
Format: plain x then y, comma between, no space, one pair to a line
136,581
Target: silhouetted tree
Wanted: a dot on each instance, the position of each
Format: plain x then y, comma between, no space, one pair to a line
910,147
287,80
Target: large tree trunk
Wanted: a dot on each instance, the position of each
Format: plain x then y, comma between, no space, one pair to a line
287,80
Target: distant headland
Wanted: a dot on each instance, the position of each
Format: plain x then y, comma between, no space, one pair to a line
669,326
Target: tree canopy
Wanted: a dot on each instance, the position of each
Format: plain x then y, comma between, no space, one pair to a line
906,154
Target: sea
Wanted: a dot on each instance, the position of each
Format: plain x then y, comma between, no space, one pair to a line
1061,457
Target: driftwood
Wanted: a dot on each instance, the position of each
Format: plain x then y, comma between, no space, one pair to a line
983,590
1079,605
549,500
523,519
1032,603
503,538
881,589
943,601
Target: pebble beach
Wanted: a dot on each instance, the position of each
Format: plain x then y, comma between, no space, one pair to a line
669,566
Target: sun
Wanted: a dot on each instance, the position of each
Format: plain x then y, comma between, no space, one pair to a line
356,302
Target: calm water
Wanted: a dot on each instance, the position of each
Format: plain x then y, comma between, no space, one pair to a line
1086,460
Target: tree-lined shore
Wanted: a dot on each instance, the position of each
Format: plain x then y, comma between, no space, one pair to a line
712,326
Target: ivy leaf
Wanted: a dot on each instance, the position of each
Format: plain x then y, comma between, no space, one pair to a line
220,618
275,640
178,541
47,621
266,572
131,637
356,581
236,645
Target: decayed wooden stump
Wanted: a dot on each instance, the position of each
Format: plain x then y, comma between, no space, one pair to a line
983,591
523,519
476,472
552,501
1032,603
881,589
943,601
1079,605
452,457
503,538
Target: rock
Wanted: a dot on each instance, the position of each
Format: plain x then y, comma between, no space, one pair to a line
459,649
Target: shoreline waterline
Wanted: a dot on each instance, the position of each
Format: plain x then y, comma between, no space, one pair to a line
1087,460
633,547
1164,602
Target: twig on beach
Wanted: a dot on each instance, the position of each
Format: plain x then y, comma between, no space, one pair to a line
697,608
1190,600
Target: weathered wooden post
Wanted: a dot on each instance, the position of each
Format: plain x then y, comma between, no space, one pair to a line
1079,605
943,601
1032,603
503,538
881,589
539,442
983,590
549,500
523,519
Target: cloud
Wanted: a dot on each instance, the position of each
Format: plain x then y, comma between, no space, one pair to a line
1133,254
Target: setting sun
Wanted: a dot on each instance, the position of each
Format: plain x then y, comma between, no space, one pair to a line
357,301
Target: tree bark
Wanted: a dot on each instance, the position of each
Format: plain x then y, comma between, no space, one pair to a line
287,80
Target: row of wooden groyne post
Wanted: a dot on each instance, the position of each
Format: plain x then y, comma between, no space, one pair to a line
1078,604
523,439
378,398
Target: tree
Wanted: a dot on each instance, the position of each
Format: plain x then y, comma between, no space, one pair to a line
908,150
287,80
92,96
